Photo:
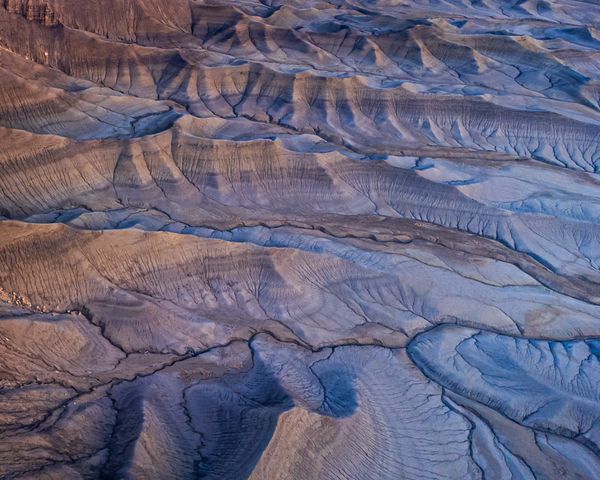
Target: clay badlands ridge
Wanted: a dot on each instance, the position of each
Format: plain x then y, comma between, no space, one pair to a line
303,239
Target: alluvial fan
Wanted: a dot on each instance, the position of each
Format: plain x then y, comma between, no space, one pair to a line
302,239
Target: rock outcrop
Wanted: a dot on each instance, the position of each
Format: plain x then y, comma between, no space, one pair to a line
307,239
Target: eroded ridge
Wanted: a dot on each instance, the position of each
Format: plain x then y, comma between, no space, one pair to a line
327,239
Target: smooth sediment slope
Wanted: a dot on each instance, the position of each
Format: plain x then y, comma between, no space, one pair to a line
299,240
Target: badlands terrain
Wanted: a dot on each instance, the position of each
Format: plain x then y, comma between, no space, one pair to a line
303,239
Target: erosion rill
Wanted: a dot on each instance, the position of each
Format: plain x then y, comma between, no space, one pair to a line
302,239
